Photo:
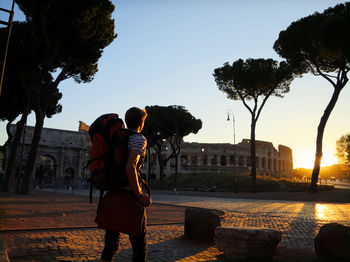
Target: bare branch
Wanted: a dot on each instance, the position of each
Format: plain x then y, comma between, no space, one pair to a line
262,104
255,104
61,75
244,103
325,76
344,78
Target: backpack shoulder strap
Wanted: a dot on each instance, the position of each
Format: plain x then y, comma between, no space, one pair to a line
139,165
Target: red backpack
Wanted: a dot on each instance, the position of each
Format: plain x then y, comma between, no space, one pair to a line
109,153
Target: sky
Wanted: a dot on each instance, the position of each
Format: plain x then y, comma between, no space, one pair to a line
165,54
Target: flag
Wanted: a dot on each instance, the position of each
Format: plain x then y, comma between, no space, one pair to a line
83,126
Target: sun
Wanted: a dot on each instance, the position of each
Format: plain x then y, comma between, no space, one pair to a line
307,159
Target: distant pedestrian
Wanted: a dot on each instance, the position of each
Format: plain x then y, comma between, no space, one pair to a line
130,199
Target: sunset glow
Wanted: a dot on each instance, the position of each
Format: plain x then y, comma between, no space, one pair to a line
321,211
307,160
175,67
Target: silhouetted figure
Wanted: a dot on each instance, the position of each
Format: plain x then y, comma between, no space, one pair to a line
137,143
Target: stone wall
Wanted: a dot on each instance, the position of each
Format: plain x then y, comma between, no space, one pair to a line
206,157
65,151
68,152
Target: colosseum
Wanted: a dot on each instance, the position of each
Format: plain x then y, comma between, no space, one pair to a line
62,155
208,157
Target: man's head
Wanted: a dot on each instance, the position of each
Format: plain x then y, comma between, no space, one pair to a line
135,118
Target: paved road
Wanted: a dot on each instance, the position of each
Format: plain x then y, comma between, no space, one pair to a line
340,184
319,212
298,221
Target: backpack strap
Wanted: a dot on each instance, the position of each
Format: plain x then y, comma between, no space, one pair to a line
88,163
91,190
145,184
99,201
139,164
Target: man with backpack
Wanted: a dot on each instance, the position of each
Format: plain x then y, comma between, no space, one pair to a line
128,203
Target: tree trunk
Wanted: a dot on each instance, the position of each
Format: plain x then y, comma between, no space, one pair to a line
320,132
39,116
11,163
176,169
160,163
7,142
252,154
148,164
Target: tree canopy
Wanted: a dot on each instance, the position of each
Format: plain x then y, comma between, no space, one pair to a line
172,124
72,34
252,80
66,40
16,98
343,150
169,121
320,44
22,72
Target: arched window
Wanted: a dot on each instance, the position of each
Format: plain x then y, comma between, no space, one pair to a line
214,160
249,162
172,162
45,170
240,161
194,160
232,160
69,176
205,160
279,165
184,160
223,160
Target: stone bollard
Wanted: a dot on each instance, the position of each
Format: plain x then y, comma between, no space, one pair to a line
200,223
333,242
247,242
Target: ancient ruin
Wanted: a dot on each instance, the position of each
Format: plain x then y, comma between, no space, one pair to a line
62,155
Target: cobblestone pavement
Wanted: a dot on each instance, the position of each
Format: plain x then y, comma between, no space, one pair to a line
298,221
59,227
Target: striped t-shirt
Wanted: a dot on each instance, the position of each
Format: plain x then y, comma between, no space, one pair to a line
137,142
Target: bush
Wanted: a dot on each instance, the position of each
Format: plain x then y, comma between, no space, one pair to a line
227,182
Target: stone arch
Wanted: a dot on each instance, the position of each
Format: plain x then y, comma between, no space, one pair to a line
194,160
263,162
172,161
249,162
184,160
240,160
257,162
45,171
214,160
205,160
69,175
279,165
232,160
269,164
223,161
